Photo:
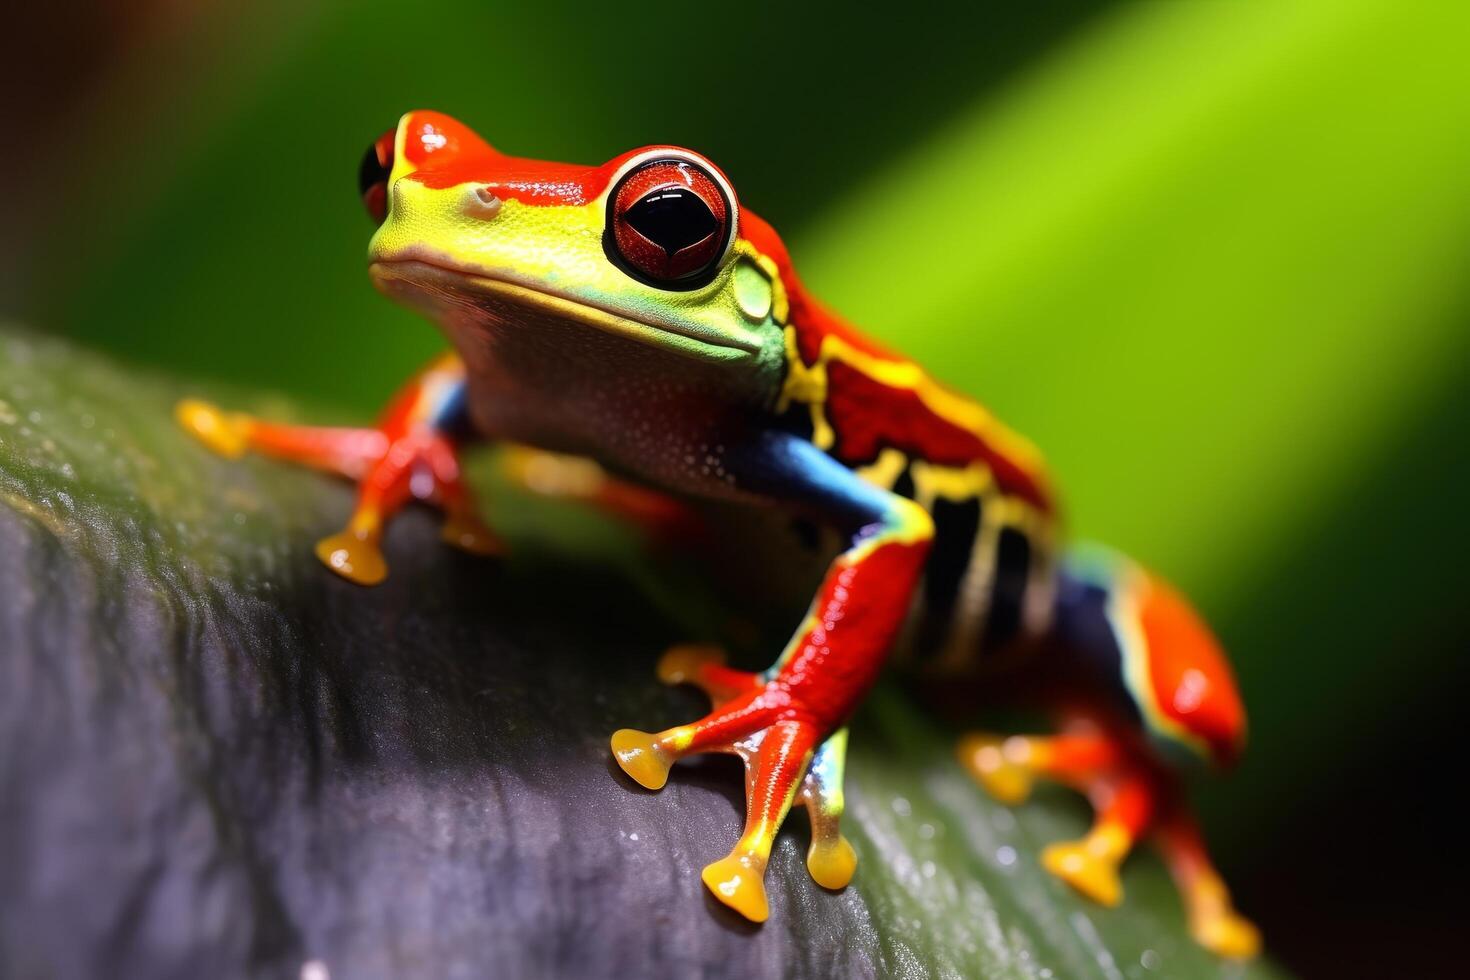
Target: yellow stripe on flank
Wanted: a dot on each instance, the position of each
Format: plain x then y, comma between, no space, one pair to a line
885,470
1128,628
806,386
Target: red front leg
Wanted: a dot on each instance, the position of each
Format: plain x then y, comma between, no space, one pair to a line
410,454
777,720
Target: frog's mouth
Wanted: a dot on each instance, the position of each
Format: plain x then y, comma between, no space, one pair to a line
437,290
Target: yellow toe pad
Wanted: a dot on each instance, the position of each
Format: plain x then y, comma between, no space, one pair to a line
471,535
681,663
1093,876
1227,934
224,432
997,765
642,757
353,558
832,862
737,881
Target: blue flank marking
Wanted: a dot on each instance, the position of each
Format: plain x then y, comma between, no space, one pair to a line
798,470
451,407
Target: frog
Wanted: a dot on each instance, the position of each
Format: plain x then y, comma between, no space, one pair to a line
637,322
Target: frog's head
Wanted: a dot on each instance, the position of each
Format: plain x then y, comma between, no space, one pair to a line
648,246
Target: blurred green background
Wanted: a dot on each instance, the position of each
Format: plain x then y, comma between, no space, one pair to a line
1211,256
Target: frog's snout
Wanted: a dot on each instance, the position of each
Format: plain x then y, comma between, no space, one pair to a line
480,202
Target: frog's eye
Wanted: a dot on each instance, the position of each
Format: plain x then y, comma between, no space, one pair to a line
669,223
372,177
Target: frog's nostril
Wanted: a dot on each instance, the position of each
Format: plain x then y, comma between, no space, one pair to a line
481,202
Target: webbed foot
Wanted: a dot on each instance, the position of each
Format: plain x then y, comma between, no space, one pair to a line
1213,921
407,456
1001,765
753,718
1091,864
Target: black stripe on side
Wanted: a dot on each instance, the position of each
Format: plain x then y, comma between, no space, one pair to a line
955,525
1007,591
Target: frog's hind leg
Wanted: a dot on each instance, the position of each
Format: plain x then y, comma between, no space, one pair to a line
1124,803
1158,695
1122,794
1213,921
1008,765
412,453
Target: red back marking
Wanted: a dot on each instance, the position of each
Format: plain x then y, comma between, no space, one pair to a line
868,412
1191,678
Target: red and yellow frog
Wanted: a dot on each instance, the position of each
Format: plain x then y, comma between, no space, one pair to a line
635,314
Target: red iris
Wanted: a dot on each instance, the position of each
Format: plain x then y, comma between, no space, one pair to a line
670,222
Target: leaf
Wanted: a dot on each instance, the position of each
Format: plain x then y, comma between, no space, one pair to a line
219,759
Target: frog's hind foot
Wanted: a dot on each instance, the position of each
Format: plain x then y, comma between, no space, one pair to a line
783,764
1090,865
1213,921
1227,933
999,764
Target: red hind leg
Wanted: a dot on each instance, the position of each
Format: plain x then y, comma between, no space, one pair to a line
1008,765
1124,801
1132,659
1123,795
1213,921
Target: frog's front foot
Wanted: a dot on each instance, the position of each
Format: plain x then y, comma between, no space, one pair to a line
788,760
398,461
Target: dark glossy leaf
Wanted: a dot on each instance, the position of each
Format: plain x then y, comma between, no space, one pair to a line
219,760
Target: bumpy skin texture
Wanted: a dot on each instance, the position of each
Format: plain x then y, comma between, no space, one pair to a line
634,314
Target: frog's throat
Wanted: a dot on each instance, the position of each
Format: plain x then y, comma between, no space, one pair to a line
420,276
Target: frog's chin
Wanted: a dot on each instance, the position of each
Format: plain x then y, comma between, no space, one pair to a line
447,295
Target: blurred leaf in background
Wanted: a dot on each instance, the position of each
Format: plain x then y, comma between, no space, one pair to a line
1210,256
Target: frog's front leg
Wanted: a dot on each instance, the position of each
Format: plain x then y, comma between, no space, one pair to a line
412,453
776,721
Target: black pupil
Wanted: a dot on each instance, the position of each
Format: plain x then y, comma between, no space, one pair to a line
673,218
371,171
